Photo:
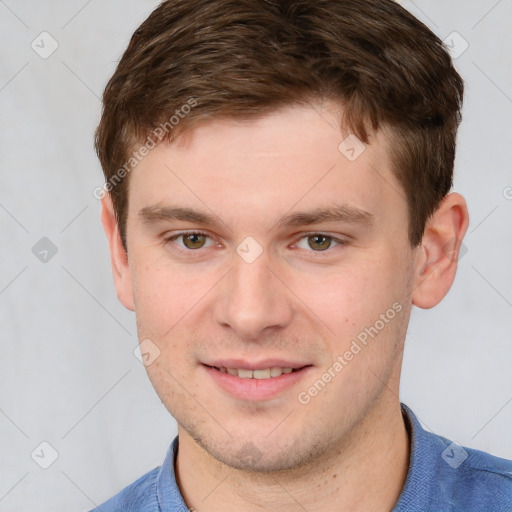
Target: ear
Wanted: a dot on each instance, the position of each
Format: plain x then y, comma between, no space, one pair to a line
437,258
118,256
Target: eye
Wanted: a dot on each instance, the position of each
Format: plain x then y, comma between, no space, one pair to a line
190,241
319,242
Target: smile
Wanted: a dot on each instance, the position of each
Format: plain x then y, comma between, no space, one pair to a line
256,374
256,383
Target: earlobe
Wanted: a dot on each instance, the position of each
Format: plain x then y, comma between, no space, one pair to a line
437,258
118,255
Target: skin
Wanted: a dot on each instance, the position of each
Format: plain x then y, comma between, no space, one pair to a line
293,301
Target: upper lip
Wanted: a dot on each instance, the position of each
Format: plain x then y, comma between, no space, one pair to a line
255,365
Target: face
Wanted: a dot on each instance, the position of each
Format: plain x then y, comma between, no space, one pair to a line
259,247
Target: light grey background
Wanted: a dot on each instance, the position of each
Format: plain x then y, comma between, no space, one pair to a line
68,375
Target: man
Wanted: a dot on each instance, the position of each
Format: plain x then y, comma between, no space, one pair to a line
277,199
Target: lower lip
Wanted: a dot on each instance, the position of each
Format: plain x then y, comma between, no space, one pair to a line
256,389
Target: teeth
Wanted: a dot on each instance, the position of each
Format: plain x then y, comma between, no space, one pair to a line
262,374
256,374
245,374
276,372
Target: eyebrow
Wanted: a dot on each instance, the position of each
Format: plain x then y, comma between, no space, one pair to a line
156,213
337,213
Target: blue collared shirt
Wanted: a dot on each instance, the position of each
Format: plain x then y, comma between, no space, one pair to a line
442,477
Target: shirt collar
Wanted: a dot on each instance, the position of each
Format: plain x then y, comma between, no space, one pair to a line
424,465
169,496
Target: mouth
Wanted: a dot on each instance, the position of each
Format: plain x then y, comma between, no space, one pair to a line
268,380
266,373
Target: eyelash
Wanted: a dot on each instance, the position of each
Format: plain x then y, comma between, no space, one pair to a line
178,249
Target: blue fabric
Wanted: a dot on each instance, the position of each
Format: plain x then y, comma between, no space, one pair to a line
442,477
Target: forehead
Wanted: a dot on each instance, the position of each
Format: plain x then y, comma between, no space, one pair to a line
297,156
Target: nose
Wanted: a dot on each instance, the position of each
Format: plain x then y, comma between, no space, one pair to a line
252,301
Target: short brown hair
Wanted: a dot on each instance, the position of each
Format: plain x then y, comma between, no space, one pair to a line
244,58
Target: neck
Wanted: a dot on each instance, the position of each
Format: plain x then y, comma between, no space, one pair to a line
366,473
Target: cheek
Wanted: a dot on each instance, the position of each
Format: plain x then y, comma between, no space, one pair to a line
166,296
156,289
352,296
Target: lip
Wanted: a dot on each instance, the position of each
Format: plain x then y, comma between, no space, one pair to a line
256,389
256,365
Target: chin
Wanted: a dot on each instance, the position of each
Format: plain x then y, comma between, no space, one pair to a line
261,454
